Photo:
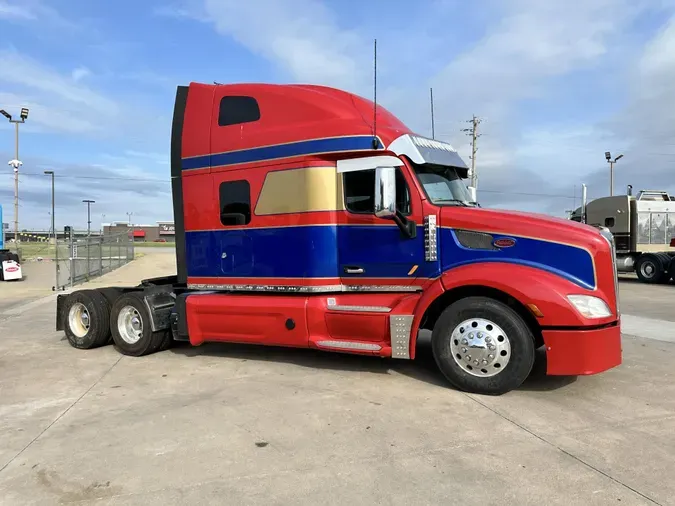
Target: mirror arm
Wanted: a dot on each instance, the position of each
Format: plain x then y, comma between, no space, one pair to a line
407,227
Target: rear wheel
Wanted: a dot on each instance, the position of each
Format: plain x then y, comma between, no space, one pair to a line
650,269
131,328
87,319
483,346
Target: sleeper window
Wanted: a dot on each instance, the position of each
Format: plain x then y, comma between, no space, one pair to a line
237,110
235,203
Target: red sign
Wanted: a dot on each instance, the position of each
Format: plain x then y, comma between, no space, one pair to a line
12,269
504,242
167,229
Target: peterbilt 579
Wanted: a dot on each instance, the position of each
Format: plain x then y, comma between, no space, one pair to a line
301,222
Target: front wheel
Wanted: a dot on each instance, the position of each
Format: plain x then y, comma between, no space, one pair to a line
483,346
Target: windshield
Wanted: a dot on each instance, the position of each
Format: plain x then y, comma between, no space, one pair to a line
443,185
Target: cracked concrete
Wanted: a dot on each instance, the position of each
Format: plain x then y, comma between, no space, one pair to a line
233,424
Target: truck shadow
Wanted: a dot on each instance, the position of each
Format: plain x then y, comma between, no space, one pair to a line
423,368
636,281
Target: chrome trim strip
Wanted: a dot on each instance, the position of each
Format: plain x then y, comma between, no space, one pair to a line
400,327
430,238
357,309
305,289
349,345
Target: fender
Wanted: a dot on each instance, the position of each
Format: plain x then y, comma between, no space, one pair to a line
528,285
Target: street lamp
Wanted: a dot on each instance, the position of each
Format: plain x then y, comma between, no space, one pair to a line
23,115
89,203
56,242
608,157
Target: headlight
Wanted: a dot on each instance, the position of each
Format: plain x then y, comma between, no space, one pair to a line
589,306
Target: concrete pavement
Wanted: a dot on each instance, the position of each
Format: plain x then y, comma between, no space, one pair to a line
231,424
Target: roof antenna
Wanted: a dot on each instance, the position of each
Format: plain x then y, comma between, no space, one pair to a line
376,141
433,133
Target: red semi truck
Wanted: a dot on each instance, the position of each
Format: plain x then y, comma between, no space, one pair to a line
302,222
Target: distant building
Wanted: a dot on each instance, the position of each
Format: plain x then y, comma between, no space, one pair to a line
163,231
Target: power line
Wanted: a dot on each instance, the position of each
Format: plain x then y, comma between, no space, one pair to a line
103,178
549,195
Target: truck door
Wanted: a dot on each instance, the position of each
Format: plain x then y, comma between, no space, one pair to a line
372,251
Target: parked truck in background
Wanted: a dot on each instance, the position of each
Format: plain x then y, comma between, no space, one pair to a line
643,227
301,222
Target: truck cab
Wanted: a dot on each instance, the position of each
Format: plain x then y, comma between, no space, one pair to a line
302,222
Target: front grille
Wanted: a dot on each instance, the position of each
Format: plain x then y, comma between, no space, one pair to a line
612,247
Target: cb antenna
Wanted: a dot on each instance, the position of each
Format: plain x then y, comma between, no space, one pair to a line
431,93
376,142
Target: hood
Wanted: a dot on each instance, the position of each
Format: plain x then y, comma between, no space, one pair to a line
568,249
521,224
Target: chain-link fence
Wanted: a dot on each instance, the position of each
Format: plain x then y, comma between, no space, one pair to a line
80,259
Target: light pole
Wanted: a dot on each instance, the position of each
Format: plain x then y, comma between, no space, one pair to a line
129,218
611,162
89,203
16,163
56,242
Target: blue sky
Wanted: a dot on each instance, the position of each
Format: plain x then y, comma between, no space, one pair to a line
556,82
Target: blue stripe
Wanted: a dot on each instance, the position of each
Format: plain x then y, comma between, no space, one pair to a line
569,262
292,252
311,147
382,251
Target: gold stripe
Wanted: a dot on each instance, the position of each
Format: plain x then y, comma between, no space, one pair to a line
411,272
303,190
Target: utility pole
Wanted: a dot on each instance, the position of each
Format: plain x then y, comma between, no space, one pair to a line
608,157
56,242
129,218
473,132
433,129
89,203
16,163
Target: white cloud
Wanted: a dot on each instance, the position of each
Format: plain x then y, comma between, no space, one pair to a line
80,73
23,71
15,11
60,102
300,36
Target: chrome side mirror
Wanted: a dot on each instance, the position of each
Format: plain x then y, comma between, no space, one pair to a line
472,192
385,192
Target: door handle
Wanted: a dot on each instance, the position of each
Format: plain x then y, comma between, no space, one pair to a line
352,269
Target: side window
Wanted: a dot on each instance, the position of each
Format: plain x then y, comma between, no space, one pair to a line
235,203
359,188
236,110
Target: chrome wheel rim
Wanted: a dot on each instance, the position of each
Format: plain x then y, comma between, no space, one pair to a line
78,319
480,347
130,324
647,269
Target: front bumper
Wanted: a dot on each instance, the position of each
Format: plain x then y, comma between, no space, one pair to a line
580,352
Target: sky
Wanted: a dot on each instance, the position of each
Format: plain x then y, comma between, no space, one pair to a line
556,83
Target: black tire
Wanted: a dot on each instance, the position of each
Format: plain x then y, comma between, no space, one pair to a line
167,341
98,316
650,269
149,341
518,335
